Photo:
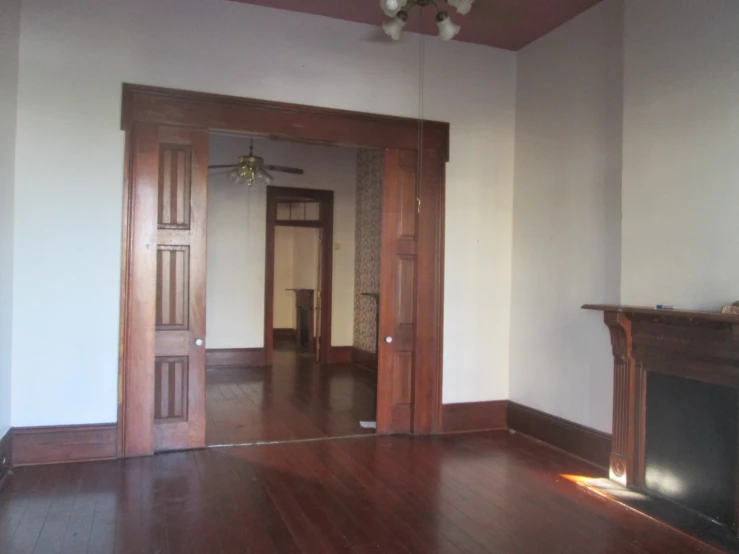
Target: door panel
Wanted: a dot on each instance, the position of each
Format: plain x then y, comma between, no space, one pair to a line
179,363
170,388
173,271
397,291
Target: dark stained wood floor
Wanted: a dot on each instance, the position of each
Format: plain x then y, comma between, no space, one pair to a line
487,492
296,398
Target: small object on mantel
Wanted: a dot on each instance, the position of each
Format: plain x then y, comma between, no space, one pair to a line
664,307
731,308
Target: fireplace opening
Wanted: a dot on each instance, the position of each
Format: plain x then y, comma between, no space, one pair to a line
691,444
304,337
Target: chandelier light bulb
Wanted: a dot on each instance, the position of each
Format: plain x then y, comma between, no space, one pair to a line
393,27
235,177
265,177
447,28
463,6
392,7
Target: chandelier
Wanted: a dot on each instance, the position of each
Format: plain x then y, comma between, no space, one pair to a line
398,10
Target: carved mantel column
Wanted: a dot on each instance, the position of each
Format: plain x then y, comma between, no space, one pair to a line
626,392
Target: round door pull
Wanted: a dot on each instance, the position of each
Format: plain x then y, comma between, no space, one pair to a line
388,339
198,342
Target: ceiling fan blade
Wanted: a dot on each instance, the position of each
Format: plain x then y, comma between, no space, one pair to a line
284,169
222,166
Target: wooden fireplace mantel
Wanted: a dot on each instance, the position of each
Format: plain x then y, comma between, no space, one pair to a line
663,313
703,346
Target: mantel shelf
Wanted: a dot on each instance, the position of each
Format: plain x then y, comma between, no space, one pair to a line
663,312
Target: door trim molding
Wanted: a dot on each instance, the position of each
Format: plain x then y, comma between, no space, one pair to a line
292,122
275,195
278,120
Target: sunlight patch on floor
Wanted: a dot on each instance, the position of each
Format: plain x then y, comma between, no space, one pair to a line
605,487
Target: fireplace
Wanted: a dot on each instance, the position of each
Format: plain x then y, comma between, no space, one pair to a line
690,444
676,407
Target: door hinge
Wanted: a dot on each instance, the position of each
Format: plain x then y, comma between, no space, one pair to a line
419,204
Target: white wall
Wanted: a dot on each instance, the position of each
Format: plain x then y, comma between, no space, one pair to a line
284,300
10,13
681,139
305,267
237,237
296,267
74,57
305,276
566,219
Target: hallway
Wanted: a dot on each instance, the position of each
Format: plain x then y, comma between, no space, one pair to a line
294,399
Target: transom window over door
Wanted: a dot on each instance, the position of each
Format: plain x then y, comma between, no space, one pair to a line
299,211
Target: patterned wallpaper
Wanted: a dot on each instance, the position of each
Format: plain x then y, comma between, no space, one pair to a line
367,246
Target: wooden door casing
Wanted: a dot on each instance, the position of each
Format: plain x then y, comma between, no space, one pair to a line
145,109
167,289
429,347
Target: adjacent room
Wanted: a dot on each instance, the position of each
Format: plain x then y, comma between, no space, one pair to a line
396,276
290,392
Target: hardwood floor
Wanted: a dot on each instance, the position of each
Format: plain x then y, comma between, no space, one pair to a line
296,398
486,492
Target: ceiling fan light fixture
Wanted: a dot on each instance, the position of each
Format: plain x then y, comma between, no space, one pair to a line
392,7
393,27
251,169
447,28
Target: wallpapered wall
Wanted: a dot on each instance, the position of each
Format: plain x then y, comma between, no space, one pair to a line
368,223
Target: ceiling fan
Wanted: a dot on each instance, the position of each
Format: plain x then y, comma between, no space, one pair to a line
252,169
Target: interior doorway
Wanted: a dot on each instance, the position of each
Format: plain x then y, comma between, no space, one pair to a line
162,393
306,216
273,241
297,289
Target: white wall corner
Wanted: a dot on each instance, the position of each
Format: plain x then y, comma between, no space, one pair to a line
10,21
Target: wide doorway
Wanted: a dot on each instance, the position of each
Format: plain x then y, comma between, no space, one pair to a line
165,333
291,339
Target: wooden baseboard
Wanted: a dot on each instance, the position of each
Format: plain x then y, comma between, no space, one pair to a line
474,416
234,357
6,455
67,443
340,355
284,334
364,358
578,440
